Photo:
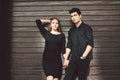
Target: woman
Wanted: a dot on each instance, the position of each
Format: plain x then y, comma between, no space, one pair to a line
54,46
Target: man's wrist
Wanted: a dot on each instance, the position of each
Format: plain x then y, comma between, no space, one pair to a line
83,57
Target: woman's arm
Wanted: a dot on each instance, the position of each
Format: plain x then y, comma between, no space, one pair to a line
41,24
45,20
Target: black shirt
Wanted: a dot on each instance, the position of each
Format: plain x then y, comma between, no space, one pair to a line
78,39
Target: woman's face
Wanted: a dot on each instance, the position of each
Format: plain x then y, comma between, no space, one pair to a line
54,24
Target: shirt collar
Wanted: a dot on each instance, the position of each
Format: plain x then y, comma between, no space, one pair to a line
79,25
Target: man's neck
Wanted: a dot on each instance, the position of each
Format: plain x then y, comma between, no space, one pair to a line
78,24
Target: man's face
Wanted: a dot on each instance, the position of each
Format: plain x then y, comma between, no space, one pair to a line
75,17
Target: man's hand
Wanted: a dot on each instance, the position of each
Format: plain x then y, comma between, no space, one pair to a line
82,57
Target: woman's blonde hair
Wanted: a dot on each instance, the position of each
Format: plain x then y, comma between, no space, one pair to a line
59,24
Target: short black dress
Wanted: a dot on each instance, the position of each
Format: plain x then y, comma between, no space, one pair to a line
54,46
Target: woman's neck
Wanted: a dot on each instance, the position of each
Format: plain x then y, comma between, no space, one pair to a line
55,32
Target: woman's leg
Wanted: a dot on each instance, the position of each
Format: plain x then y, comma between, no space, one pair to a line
50,77
55,79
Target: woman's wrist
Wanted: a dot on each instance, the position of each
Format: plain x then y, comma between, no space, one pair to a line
65,57
45,20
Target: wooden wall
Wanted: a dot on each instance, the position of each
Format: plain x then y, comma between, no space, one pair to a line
28,44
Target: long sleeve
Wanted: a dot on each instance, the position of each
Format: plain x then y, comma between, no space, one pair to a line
69,43
41,27
63,43
89,36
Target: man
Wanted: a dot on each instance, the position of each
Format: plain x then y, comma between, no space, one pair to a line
79,48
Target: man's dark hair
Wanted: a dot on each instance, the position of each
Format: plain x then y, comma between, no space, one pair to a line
75,10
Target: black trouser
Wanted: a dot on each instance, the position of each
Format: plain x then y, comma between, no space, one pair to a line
79,68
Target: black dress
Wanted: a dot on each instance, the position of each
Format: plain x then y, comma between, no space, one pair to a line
54,46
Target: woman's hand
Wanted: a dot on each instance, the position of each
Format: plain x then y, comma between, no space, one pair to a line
45,20
65,64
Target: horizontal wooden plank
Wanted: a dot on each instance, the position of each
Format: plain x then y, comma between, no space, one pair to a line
41,45
106,28
35,30
104,67
41,39
68,23
64,13
108,45
107,34
93,72
106,50
65,18
30,32
28,45
103,60
36,50
40,68
27,66
42,77
37,64
64,8
37,34
107,39
39,76
67,3
96,55
32,39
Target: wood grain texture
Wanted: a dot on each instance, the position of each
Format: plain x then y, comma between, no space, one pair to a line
28,44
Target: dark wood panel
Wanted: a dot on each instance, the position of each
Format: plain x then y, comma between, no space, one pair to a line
61,8
41,44
52,13
37,77
96,72
38,39
36,34
97,55
103,60
67,23
108,34
106,50
26,39
29,77
36,50
65,18
28,45
67,3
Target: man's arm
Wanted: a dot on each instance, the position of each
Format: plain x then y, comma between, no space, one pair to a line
67,53
89,39
86,52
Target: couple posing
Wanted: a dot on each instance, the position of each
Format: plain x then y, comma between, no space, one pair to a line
77,54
